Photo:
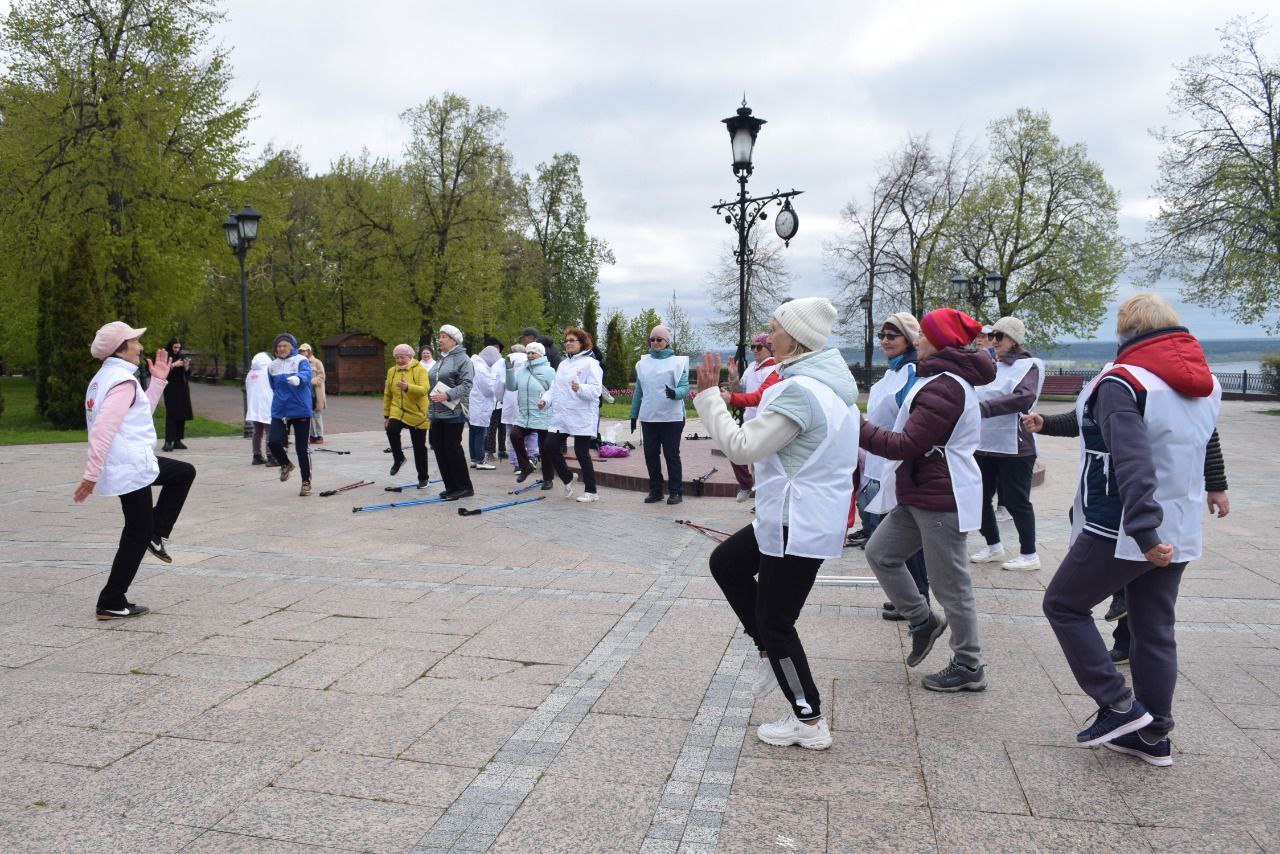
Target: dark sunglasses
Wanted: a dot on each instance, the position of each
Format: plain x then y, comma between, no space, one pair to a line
567,340
656,340
888,336
997,336
757,346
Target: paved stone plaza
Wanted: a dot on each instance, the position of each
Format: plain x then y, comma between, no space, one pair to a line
561,677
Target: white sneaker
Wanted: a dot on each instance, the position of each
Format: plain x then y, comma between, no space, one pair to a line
1022,562
485,466
763,682
988,554
743,495
790,730
568,487
1002,515
588,497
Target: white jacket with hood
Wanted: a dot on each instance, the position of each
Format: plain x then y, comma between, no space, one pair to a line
258,390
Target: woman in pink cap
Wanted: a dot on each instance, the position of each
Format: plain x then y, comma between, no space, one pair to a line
122,460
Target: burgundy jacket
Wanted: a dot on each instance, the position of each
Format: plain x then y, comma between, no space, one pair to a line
924,481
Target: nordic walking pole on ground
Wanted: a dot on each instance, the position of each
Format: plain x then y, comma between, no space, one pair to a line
704,530
402,487
462,511
346,488
331,451
535,485
371,507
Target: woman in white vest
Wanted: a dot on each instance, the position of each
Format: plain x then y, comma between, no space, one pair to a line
257,391
745,394
932,492
897,336
803,442
485,399
662,384
122,460
1144,423
574,399
1007,450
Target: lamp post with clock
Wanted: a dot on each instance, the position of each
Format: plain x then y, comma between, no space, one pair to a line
744,212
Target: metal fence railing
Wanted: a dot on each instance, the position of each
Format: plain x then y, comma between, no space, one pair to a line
1240,382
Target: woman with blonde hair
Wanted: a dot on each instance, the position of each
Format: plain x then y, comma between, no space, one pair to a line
1144,424
404,404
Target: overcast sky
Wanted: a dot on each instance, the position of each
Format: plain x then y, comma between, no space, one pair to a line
637,91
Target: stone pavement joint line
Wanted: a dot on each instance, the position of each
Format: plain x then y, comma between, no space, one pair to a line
693,802
474,820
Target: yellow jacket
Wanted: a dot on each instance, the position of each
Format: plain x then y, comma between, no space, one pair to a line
408,407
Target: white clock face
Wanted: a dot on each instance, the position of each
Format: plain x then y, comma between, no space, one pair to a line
785,224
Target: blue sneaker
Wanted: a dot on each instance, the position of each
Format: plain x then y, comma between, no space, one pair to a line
1160,753
1109,724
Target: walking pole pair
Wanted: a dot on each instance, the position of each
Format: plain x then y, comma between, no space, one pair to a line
402,487
537,484
346,488
369,508
718,536
462,511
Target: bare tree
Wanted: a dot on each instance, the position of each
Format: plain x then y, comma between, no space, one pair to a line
768,285
1218,228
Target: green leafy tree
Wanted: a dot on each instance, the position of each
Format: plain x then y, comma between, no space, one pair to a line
591,317
116,123
553,214
1042,214
616,366
75,311
1218,227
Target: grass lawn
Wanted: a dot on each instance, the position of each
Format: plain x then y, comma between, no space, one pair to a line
19,425
1270,411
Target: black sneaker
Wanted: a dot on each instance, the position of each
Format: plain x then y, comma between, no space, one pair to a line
271,463
459,493
889,612
858,539
675,498
156,547
653,498
546,485
259,461
167,447
178,446
1118,611
922,639
122,613
1133,744
1109,723
524,473
423,484
956,677
395,466
1119,656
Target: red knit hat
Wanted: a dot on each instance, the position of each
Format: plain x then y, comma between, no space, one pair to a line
947,327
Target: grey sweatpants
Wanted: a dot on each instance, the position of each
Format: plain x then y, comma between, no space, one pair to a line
902,533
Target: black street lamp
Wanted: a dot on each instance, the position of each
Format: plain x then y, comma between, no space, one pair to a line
976,288
865,302
242,229
743,212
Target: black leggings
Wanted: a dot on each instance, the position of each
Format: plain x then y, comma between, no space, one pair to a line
451,460
518,435
768,608
417,438
1012,476
581,450
301,434
143,523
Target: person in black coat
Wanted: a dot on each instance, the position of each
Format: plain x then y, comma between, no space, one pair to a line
177,397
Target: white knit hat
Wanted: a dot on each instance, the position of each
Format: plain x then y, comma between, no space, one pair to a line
453,332
1013,328
906,323
808,320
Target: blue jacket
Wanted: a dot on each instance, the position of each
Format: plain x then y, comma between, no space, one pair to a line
289,400
909,358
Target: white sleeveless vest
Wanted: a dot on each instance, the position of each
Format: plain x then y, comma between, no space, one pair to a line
1000,432
817,497
966,479
752,379
882,411
131,458
1178,429
653,375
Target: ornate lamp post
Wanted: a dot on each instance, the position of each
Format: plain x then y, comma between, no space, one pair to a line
743,213
242,229
976,288
864,302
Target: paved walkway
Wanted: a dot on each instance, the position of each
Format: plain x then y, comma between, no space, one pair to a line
558,677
